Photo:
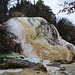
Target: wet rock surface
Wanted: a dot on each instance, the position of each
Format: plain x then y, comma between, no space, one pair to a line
32,68
70,69
35,37
18,63
40,43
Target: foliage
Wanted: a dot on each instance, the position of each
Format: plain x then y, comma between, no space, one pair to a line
16,14
3,10
68,7
45,12
9,56
66,30
35,10
26,8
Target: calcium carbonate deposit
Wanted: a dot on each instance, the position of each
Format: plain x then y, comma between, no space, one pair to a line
39,39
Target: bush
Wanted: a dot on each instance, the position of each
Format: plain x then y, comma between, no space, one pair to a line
16,14
66,30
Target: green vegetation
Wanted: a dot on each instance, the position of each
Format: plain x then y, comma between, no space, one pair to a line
38,9
9,56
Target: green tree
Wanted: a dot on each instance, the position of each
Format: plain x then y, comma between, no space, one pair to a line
3,10
38,9
45,12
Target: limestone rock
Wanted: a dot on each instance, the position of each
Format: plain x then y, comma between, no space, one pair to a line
36,35
19,63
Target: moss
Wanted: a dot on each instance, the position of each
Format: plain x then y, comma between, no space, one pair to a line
10,56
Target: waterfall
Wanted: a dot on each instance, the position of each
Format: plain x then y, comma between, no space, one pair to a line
36,35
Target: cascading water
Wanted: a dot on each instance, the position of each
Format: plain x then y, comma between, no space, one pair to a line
37,36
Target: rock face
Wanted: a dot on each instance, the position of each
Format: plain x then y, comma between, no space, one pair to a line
18,63
39,39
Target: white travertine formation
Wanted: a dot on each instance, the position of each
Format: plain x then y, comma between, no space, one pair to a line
36,35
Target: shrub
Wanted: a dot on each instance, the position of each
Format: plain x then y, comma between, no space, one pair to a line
16,14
